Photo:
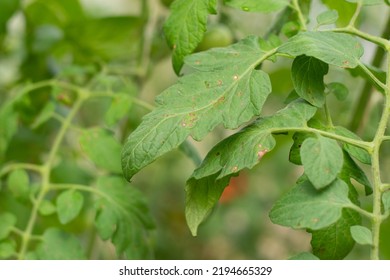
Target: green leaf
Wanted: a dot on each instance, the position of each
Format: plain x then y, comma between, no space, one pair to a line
18,183
335,241
367,2
8,126
69,204
327,17
304,256
185,27
7,249
123,216
322,159
308,79
102,148
225,88
44,115
386,201
378,73
295,151
360,154
338,49
59,245
7,222
47,208
246,148
306,207
120,107
345,10
352,170
339,90
265,6
361,235
201,196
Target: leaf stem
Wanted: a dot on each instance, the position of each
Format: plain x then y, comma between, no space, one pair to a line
374,39
372,76
359,6
45,171
361,211
327,115
14,166
301,18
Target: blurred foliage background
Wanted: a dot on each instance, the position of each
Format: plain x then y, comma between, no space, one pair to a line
119,45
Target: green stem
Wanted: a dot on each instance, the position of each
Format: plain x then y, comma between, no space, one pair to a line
361,211
301,18
372,76
45,171
14,166
327,115
376,172
385,44
356,14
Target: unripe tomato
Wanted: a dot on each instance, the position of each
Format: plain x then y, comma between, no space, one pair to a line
217,36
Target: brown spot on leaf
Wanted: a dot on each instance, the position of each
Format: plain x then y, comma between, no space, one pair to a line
261,153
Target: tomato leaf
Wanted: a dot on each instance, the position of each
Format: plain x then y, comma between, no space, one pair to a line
306,207
123,216
361,235
225,88
322,159
304,256
327,17
69,204
7,221
102,148
308,79
18,183
185,27
59,245
337,49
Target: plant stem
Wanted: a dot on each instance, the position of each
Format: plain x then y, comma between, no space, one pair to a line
301,18
377,186
46,170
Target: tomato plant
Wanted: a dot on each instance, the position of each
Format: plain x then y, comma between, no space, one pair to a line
74,86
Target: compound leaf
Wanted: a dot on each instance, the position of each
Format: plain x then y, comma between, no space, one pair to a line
7,221
102,148
308,79
59,245
246,148
322,159
264,6
225,88
306,207
185,27
123,216
337,49
361,235
69,204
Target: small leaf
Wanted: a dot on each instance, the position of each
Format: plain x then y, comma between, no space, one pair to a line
335,241
102,148
308,79
47,208
59,245
386,201
123,216
327,17
360,154
69,204
265,6
120,106
322,159
345,10
295,151
18,183
352,170
8,126
201,197
7,249
306,207
361,235
7,222
304,256
338,49
188,19
44,115
339,90
225,88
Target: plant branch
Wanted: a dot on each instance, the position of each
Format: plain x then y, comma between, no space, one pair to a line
372,76
361,211
14,166
301,18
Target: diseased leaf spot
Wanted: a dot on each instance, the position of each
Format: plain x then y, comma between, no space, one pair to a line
235,169
235,77
220,82
261,153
